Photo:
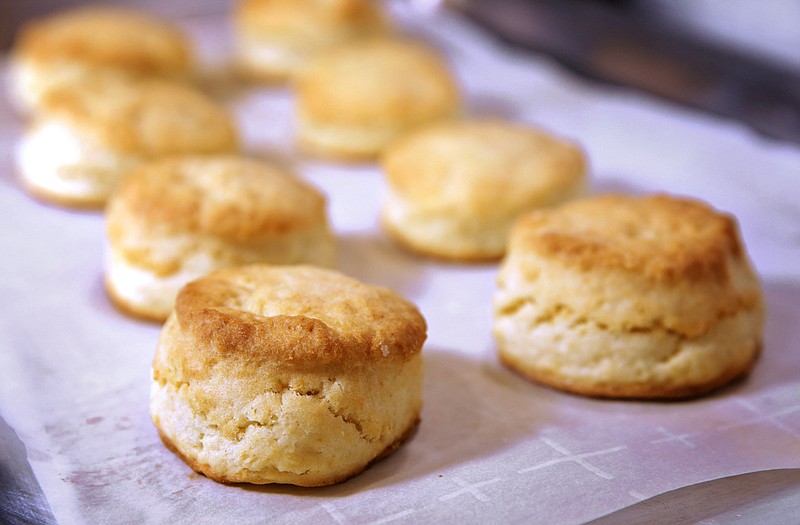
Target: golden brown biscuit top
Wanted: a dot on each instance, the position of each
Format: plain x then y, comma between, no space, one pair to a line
235,198
482,166
377,80
661,237
145,117
108,37
308,19
298,316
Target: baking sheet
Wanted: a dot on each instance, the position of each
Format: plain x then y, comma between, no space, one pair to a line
492,447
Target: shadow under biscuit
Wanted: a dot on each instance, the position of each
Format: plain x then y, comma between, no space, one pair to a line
376,260
101,302
491,105
462,413
447,47
779,363
466,416
273,155
221,83
610,183
266,122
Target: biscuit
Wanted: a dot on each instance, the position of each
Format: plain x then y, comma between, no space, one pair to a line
177,219
287,374
88,136
355,99
455,188
68,46
628,297
276,38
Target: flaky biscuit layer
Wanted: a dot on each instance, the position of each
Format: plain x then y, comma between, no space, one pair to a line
634,262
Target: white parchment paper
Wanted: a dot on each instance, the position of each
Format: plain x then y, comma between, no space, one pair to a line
492,447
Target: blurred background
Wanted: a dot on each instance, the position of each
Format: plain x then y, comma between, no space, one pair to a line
735,58
13,13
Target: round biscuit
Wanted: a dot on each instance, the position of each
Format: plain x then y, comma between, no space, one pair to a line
455,188
297,375
623,296
176,219
355,99
68,46
88,135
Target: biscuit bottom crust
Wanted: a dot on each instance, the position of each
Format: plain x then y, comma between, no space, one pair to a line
205,468
346,142
28,83
56,165
632,391
46,196
268,61
129,308
455,244
587,358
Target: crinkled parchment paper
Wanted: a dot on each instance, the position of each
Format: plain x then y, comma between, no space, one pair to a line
492,447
